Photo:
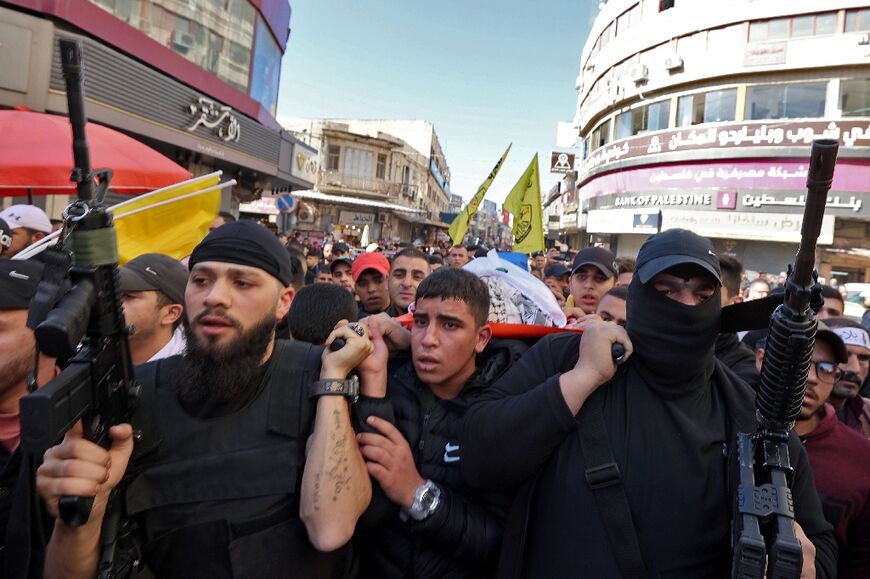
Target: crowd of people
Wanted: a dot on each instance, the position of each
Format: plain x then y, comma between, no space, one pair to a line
317,410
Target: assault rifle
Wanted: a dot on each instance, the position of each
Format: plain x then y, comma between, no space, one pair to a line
762,529
86,332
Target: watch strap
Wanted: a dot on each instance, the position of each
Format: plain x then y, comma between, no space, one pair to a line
348,388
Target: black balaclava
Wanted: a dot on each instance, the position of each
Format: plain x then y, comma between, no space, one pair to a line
673,342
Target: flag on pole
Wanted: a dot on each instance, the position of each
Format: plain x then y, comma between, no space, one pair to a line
460,224
524,202
172,220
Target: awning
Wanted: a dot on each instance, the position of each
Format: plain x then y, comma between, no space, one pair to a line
348,200
424,221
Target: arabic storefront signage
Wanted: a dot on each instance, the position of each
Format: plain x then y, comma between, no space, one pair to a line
764,53
706,186
782,227
303,165
623,221
354,218
216,117
749,134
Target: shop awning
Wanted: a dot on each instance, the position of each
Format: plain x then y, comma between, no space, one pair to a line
348,200
36,157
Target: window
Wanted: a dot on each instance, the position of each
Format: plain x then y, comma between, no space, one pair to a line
794,27
600,136
627,19
855,97
381,170
658,115
858,20
358,162
666,5
786,101
712,107
333,154
217,36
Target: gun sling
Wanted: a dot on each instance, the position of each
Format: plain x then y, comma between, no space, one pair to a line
605,481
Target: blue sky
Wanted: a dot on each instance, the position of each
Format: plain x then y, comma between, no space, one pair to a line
485,72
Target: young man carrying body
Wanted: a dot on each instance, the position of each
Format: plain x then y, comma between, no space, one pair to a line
669,411
428,524
248,466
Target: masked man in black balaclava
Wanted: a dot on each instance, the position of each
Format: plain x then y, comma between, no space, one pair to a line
669,411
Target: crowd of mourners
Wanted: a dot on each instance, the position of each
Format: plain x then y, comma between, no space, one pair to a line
312,409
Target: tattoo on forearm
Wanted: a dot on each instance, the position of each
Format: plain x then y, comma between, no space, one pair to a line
338,474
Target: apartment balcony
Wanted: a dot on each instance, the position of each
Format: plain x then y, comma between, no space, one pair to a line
337,182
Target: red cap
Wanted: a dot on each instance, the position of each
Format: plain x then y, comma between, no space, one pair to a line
375,261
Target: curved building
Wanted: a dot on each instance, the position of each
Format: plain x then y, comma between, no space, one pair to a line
197,80
700,115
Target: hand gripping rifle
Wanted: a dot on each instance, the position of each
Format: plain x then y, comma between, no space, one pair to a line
763,528
96,385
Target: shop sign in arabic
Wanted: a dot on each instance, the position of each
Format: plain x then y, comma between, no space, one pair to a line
750,134
216,117
764,53
782,227
354,218
725,200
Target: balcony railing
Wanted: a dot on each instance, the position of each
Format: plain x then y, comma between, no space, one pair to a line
380,187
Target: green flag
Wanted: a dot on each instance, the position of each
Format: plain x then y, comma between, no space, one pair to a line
460,224
524,202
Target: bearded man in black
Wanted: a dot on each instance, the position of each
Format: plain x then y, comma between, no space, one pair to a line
669,411
248,465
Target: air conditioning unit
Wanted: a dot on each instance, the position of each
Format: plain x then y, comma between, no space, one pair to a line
307,213
383,218
638,73
673,62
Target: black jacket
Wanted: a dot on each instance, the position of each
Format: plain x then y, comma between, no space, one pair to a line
738,357
462,537
522,431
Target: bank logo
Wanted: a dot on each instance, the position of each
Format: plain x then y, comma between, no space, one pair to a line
726,200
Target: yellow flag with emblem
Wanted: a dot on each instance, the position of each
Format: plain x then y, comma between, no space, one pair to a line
460,224
172,220
524,203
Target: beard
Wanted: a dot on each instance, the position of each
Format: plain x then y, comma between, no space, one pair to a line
14,371
230,373
843,388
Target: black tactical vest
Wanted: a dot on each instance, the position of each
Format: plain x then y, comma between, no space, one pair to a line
219,497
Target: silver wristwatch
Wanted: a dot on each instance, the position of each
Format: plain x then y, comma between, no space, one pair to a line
427,497
347,388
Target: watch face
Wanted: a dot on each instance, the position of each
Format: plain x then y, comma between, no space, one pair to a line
427,499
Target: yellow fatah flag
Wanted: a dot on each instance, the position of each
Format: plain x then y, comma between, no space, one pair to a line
524,202
172,220
460,224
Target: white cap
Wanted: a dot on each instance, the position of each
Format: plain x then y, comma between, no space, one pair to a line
372,247
26,216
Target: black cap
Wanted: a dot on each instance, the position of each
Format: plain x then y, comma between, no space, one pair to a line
538,254
346,260
155,271
556,270
18,281
245,243
600,257
340,246
675,247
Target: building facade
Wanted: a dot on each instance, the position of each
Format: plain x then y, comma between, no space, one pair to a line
389,175
196,80
700,115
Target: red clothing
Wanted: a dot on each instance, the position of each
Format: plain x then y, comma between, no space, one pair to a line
856,415
840,458
10,431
